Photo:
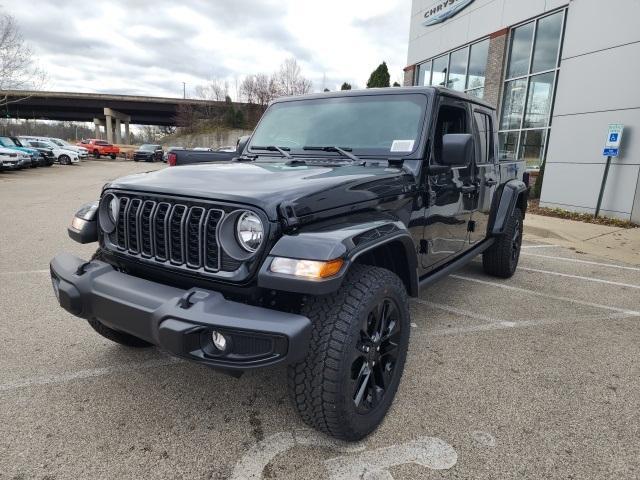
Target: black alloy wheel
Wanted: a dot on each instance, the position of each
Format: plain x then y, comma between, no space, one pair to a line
376,355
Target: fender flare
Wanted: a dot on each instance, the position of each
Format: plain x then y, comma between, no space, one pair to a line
346,243
506,204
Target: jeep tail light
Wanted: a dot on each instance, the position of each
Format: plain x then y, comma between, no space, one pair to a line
171,159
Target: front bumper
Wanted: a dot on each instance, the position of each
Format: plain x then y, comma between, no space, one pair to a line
179,321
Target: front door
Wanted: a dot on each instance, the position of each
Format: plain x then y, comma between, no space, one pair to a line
451,194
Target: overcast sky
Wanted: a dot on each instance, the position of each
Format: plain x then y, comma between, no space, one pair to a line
150,48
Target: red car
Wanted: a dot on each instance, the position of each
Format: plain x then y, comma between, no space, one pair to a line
99,147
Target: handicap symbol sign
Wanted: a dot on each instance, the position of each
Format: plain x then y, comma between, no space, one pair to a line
613,138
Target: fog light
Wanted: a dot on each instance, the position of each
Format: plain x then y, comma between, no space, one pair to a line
219,340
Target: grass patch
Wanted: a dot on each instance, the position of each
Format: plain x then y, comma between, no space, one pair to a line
536,209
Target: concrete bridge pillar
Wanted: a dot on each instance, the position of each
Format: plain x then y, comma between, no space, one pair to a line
109,128
127,137
110,116
98,122
118,131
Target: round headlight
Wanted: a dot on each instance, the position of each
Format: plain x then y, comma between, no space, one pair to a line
113,209
249,231
108,212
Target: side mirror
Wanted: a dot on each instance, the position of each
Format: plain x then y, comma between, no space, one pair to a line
242,142
457,149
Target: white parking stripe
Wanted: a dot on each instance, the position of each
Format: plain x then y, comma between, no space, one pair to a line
457,311
579,277
586,262
89,373
24,272
540,246
523,324
544,295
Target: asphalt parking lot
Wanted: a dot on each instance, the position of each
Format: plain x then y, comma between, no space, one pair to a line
534,377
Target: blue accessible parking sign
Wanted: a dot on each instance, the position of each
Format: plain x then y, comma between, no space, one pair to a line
614,139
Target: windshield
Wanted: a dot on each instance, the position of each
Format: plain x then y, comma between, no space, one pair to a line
148,148
60,143
369,124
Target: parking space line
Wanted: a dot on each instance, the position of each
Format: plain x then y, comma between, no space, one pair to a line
544,295
540,246
580,277
88,373
23,272
586,262
457,311
524,324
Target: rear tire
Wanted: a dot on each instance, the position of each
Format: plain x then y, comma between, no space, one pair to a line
113,157
96,154
501,259
118,337
348,380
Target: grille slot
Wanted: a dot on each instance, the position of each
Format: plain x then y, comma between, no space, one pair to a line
184,234
176,233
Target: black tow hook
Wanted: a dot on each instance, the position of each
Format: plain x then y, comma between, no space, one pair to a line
191,298
82,268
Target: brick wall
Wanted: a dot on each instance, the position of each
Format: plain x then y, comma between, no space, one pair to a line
408,75
495,67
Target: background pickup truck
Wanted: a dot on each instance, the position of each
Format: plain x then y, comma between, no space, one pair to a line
177,157
99,147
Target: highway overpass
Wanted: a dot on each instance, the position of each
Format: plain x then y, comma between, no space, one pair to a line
104,110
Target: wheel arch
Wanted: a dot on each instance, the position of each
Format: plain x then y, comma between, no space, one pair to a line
514,194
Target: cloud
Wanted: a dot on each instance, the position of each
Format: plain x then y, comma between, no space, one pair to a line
150,48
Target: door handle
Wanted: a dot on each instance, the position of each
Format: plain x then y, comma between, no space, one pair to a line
490,182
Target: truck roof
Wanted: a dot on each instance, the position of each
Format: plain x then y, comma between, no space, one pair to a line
389,91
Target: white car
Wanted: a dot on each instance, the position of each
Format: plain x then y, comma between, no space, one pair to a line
13,160
63,156
82,152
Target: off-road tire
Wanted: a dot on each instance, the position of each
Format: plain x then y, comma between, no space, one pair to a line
320,386
501,259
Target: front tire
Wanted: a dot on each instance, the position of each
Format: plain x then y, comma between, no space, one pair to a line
348,380
113,157
501,259
65,160
96,154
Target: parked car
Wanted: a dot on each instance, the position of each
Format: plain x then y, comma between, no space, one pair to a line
148,153
82,152
165,157
307,249
47,156
99,147
13,160
34,154
227,148
60,155
189,156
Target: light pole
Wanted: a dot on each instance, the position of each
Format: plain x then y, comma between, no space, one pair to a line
184,90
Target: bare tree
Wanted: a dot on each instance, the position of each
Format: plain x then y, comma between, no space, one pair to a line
290,80
18,69
266,89
214,90
248,89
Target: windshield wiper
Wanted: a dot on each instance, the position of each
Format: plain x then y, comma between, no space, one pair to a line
272,148
344,151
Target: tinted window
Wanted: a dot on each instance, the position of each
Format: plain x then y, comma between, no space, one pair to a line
369,123
458,69
484,124
450,120
440,67
545,52
478,64
520,53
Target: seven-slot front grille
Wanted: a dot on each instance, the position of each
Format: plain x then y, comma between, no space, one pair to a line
181,234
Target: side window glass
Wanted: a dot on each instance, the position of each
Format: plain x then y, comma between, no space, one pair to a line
450,120
481,125
491,146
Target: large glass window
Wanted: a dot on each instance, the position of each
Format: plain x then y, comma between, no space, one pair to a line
532,74
463,70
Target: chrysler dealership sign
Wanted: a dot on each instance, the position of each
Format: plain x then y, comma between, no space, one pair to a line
443,10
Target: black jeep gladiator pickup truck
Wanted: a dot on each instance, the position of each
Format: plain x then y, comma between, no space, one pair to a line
305,249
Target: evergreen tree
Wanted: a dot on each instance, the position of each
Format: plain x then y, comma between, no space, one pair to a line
396,84
345,86
379,77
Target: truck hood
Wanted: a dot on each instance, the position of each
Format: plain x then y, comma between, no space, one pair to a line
307,188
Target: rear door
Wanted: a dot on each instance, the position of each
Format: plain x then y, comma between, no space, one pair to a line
449,208
486,171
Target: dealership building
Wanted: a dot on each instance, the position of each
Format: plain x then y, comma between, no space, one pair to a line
560,72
